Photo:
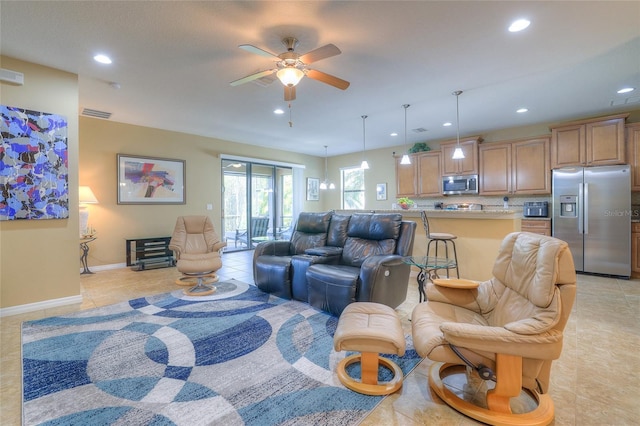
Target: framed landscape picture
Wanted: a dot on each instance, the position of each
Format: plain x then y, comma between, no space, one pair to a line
313,189
150,180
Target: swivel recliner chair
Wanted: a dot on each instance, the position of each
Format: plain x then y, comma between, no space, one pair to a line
197,249
507,329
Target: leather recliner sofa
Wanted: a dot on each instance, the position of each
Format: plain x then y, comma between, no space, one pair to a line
335,259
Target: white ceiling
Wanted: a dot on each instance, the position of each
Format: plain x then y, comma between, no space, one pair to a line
174,61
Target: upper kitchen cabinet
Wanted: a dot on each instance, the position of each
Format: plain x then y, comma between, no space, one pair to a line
594,142
465,166
633,154
421,178
515,167
406,175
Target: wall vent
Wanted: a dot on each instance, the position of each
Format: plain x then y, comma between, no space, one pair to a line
11,77
95,113
419,130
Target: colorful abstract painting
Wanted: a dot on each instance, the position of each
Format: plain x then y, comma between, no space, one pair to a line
34,172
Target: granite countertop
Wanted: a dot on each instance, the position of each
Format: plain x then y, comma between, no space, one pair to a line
457,214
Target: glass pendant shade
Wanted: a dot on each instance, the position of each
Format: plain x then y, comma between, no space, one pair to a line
323,185
405,159
290,76
332,186
364,165
457,153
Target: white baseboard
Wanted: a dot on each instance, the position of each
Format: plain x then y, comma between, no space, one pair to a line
37,306
105,267
54,303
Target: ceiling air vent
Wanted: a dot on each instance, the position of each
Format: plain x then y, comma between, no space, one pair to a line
419,130
95,113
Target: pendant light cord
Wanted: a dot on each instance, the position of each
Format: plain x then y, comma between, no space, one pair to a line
458,93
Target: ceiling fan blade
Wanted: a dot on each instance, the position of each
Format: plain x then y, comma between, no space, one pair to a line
323,52
289,93
252,49
328,79
252,77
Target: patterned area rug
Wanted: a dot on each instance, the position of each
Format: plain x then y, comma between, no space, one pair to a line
237,357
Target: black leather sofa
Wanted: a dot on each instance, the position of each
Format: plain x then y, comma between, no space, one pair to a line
335,259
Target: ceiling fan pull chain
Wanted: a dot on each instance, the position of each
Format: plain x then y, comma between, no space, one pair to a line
290,116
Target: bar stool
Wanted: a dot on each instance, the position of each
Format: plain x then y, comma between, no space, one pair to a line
440,237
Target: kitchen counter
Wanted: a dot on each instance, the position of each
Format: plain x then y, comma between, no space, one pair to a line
457,214
479,234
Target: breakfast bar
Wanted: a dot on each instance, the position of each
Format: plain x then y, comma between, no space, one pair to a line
479,232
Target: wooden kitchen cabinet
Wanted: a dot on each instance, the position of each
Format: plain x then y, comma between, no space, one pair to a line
406,178
633,154
515,167
421,178
429,178
465,166
594,142
537,226
635,249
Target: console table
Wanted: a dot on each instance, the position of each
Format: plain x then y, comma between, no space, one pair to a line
84,246
149,252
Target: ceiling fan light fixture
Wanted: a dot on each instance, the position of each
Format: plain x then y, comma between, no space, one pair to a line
290,76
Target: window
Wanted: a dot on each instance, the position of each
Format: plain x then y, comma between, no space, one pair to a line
352,188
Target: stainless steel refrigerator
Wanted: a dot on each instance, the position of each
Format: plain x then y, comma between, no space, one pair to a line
592,212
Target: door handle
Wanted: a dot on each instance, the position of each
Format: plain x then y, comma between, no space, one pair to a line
586,208
580,206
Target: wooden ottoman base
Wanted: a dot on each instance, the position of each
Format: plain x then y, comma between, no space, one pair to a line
369,384
371,329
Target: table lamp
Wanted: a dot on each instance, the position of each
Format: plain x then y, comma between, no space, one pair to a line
85,197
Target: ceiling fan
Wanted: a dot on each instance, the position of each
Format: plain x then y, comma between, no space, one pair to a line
290,67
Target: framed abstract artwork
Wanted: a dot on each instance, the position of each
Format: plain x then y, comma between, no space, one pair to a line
313,189
150,180
34,172
381,191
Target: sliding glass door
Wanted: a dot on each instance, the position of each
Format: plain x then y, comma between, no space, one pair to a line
258,203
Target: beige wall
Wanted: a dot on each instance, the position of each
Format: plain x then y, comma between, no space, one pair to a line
102,140
39,258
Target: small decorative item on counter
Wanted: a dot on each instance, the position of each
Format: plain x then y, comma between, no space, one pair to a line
506,203
405,203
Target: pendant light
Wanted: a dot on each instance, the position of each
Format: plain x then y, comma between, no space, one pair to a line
405,158
364,165
458,154
325,183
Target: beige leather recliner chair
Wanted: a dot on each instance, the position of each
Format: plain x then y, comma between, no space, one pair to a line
511,324
197,249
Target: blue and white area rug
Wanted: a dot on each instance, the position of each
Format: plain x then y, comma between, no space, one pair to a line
237,357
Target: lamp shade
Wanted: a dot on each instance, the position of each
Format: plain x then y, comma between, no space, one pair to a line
85,195
290,76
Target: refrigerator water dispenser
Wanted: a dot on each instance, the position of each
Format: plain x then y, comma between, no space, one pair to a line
568,206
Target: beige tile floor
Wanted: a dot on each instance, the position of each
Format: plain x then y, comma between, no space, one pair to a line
595,382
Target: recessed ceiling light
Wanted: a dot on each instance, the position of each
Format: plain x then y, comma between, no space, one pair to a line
278,111
521,110
394,134
626,90
103,59
519,25
447,124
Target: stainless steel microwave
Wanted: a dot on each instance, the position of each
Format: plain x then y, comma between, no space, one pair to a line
462,184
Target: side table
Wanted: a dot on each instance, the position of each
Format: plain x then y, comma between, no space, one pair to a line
429,266
84,246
